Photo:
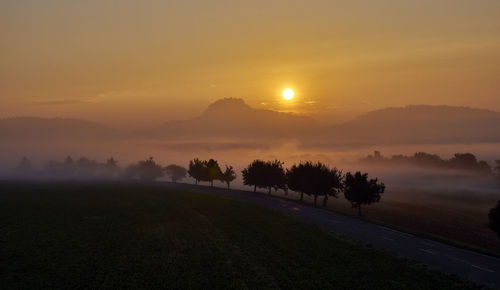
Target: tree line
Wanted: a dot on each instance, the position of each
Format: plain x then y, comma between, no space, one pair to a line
312,179
460,161
89,169
203,170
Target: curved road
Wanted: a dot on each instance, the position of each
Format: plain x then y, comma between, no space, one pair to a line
466,264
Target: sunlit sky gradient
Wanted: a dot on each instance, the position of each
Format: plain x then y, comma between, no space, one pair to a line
138,63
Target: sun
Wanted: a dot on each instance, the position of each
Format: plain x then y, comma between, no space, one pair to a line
288,94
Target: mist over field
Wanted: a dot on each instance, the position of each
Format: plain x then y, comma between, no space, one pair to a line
239,154
235,134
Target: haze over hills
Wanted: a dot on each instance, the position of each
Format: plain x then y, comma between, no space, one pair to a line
230,118
233,119
422,124
32,128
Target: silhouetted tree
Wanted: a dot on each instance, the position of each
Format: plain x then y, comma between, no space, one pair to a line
175,172
262,174
85,162
315,179
460,161
212,171
467,161
330,182
359,190
145,170
429,160
228,175
297,179
196,169
278,178
494,218
376,158
275,175
253,175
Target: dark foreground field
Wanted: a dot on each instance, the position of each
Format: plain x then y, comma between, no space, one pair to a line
143,236
458,217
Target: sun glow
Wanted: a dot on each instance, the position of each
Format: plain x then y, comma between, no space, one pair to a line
288,94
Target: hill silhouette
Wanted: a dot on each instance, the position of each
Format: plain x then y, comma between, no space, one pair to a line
233,118
33,128
421,124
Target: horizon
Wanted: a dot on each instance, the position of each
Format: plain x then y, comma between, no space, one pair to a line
155,61
312,116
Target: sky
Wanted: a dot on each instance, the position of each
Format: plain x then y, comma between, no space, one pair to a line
140,63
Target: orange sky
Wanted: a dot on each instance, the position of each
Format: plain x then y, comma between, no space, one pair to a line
138,63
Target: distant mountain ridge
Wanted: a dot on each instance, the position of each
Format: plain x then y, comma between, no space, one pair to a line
233,119
423,124
230,118
53,128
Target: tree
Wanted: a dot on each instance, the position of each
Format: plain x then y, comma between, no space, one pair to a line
468,162
359,190
176,172
330,183
315,179
145,170
277,176
212,171
228,175
196,169
262,174
427,160
297,179
494,217
253,174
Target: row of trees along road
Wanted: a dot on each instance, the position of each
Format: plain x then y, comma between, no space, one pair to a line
149,170
208,171
314,179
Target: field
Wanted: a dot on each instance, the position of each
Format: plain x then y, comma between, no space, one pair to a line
459,217
143,236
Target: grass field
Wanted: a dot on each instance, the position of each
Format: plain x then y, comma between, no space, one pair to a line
460,218
142,236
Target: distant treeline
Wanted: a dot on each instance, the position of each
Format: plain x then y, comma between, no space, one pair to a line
460,161
89,169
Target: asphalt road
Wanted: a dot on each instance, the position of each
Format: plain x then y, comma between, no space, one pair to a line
464,263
